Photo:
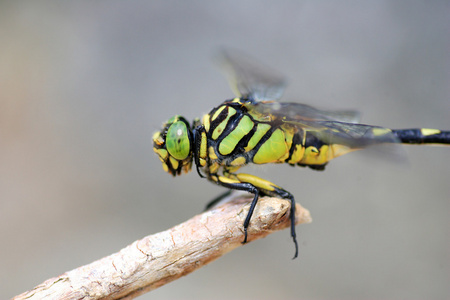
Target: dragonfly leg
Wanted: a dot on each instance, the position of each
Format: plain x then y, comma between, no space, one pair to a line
249,216
270,189
286,195
258,186
242,186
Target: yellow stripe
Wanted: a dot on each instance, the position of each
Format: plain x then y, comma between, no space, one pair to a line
261,130
289,133
238,161
297,155
256,181
162,153
313,156
228,144
214,168
233,169
227,180
174,162
429,131
221,127
380,131
203,144
206,122
211,153
218,111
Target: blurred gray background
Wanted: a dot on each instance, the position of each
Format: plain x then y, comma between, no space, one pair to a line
84,84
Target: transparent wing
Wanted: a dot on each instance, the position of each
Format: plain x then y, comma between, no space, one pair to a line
248,78
301,112
352,135
331,127
264,86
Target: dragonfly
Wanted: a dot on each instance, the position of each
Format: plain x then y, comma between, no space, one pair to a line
254,127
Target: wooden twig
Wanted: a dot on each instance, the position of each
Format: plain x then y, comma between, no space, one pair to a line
165,256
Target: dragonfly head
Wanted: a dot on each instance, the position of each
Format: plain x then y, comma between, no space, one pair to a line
174,146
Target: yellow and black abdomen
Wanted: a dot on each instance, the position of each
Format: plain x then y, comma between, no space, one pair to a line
233,136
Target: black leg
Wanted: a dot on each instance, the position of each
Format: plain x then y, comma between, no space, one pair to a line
277,192
217,199
248,187
249,215
286,195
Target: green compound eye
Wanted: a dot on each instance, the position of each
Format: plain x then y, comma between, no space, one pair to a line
177,141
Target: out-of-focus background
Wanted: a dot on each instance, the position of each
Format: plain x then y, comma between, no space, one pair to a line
84,84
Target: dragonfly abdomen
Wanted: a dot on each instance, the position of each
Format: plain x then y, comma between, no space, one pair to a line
422,136
307,150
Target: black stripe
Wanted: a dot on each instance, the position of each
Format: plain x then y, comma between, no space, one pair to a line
296,140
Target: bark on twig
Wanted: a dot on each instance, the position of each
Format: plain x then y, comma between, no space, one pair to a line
165,256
